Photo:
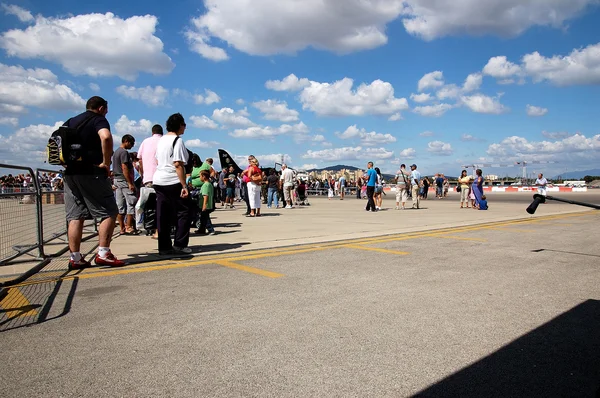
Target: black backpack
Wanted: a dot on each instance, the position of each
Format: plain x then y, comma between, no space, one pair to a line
65,144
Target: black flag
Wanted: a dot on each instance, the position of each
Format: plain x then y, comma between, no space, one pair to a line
227,161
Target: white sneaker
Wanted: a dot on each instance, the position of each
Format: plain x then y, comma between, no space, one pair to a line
397,207
377,207
288,207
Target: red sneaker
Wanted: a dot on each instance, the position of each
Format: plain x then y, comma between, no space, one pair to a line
77,265
109,260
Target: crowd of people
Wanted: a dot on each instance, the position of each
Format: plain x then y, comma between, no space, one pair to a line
23,182
163,187
167,188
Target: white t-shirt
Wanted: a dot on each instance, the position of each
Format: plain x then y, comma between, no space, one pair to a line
166,154
287,176
541,182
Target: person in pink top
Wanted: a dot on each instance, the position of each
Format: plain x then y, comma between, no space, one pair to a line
245,182
147,157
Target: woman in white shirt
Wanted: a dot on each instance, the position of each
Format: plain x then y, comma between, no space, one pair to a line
172,202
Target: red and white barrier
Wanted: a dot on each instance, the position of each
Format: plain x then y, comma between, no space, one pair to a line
510,189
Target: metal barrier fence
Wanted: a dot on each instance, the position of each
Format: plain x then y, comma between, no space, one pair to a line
33,227
324,191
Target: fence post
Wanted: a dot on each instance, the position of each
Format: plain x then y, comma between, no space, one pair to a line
38,208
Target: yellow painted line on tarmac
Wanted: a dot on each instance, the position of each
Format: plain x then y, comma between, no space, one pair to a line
17,305
461,238
252,270
376,249
510,229
306,248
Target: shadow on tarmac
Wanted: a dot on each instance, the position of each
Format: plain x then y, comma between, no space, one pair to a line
196,249
558,359
565,252
43,298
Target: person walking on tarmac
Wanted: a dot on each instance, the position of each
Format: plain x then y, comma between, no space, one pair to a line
371,181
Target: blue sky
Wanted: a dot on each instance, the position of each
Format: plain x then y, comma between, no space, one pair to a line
320,82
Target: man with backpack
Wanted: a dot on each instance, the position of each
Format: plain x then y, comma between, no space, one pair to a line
88,189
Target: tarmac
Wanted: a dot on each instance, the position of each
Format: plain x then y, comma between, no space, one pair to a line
325,301
330,220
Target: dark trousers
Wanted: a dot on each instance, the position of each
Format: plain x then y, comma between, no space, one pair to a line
246,199
371,202
358,192
172,209
205,221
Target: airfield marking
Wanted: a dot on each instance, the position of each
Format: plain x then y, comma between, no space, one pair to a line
376,249
307,248
461,238
252,270
15,304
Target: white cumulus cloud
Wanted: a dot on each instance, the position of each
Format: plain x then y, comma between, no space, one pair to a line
349,153
276,110
152,96
395,117
367,138
27,142
196,143
282,26
408,153
448,91
421,98
432,110
501,68
231,118
267,160
264,132
288,83
209,98
480,103
472,82
19,12
469,138
21,88
9,121
431,19
203,122
581,66
92,44
139,129
535,110
576,148
431,80
440,148
339,99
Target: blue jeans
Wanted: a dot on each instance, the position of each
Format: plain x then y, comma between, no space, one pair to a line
272,193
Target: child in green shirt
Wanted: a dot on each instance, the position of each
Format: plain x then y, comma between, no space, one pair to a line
207,192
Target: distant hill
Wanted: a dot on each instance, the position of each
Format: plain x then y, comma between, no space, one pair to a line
578,175
335,168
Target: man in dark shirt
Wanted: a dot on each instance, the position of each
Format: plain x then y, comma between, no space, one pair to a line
273,189
439,186
88,190
125,191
